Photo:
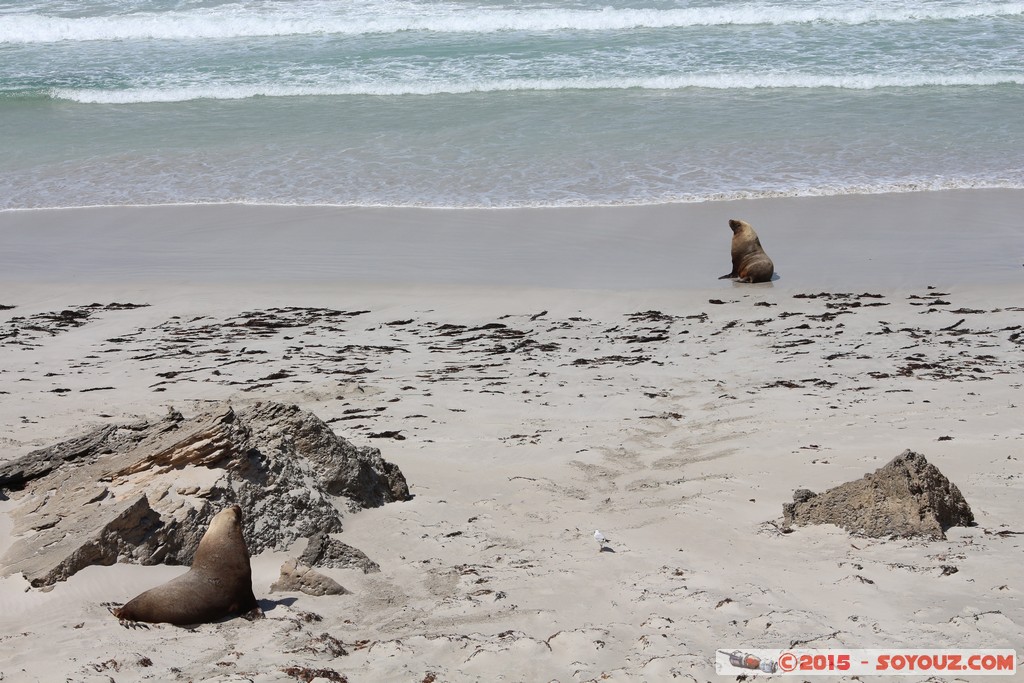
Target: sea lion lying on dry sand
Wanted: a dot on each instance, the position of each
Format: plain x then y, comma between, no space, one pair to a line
219,583
749,262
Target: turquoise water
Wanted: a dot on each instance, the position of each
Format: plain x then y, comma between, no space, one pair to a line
504,103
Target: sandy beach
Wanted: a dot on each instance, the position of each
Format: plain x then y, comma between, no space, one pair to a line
538,374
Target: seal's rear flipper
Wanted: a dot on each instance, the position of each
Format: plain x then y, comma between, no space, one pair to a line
115,609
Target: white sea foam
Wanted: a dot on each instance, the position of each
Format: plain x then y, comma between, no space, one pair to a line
551,104
58,198
711,81
236,21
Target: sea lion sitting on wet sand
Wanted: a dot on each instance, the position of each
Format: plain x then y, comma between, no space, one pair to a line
749,262
219,583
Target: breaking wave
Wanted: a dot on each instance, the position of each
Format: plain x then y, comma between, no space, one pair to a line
714,81
235,21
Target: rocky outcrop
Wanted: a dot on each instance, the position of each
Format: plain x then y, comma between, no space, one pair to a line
908,497
296,576
100,535
359,474
145,492
15,474
324,551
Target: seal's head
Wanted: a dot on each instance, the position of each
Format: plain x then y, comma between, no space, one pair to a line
228,518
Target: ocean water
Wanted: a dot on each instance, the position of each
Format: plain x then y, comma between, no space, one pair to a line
456,103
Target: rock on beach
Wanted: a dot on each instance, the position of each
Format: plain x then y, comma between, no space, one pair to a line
908,497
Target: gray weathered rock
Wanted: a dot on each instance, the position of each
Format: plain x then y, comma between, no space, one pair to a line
100,536
146,492
908,497
324,551
296,576
803,495
15,473
341,469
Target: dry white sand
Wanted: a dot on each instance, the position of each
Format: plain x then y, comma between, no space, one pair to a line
679,434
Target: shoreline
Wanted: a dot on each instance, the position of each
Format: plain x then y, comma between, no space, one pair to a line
908,189
890,240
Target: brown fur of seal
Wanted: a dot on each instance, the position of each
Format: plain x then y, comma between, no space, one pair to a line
219,583
749,262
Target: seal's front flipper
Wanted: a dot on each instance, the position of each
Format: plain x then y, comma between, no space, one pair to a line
254,614
727,276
